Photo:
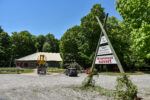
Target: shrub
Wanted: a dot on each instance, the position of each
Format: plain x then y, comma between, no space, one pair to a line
126,90
88,81
95,72
75,65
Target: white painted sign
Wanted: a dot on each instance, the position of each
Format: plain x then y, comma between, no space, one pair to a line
103,40
109,59
104,50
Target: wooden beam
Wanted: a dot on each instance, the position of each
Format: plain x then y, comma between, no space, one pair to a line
93,63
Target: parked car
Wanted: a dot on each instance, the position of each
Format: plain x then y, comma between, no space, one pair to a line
71,72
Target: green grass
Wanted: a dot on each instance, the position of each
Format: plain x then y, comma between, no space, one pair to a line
128,73
55,70
10,70
100,90
28,71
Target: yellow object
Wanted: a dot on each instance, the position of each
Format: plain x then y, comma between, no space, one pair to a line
41,60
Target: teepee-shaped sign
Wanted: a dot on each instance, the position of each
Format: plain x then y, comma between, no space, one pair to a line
104,50
103,40
105,53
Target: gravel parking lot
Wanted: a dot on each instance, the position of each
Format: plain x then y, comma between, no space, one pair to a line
55,87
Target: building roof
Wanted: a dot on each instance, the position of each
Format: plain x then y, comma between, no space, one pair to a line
49,56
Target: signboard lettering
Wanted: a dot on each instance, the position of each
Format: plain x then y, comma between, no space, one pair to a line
104,50
109,59
103,40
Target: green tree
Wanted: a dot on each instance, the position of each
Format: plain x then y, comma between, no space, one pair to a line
136,14
4,49
1,30
40,42
23,44
56,45
134,11
69,45
46,47
37,46
79,42
90,34
141,43
119,33
53,42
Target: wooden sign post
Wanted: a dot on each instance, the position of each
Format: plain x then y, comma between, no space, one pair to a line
105,54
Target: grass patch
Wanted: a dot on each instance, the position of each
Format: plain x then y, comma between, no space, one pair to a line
127,73
55,70
10,70
100,90
146,72
28,71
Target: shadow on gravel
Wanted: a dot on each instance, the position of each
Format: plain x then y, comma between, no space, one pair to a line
2,99
74,76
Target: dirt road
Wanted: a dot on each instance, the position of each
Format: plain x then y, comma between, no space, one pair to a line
55,87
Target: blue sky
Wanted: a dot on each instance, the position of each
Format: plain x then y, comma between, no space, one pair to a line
47,16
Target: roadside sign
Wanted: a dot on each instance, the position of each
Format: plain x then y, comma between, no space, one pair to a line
103,40
109,59
104,50
105,53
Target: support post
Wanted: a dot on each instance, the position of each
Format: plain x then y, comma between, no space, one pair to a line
93,63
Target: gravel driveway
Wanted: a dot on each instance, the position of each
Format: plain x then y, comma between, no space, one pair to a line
54,87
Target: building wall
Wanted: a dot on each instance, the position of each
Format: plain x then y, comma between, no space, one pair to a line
33,64
53,64
26,64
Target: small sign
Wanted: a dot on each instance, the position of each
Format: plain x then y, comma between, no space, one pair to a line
103,40
104,50
109,59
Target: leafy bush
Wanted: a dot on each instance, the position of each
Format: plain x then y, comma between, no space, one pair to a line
126,90
88,81
75,65
95,72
